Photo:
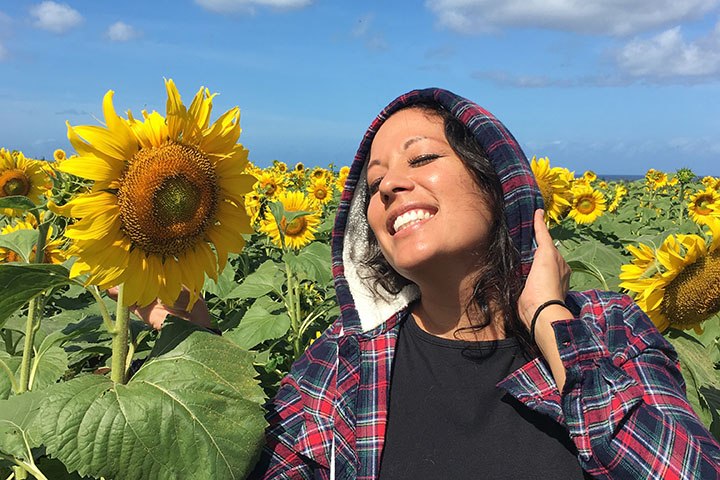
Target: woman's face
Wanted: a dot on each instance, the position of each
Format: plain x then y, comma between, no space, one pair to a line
425,209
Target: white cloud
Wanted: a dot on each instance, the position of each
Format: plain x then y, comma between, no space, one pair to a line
618,17
669,56
121,32
248,6
55,17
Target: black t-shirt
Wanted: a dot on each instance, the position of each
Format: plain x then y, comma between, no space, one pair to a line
448,420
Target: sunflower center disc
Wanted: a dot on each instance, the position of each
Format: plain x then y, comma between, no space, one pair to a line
320,193
295,227
586,206
14,182
703,207
168,198
694,295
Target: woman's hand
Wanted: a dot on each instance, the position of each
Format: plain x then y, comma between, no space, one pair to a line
549,276
156,313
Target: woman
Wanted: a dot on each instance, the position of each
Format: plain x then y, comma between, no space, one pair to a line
455,355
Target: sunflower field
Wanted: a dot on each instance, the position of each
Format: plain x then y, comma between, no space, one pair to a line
167,208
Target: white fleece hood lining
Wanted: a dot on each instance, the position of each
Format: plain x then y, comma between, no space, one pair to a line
373,309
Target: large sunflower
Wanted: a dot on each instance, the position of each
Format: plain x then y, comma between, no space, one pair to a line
587,204
22,176
554,187
678,286
300,230
164,190
703,205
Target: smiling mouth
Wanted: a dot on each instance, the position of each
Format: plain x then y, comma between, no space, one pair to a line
409,218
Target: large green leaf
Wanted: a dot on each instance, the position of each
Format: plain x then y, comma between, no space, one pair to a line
17,202
20,242
265,320
265,279
311,263
48,367
224,285
702,380
191,412
21,283
17,414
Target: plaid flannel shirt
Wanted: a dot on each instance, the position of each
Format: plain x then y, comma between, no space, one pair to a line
623,402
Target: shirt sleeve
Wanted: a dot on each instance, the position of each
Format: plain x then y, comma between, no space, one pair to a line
624,399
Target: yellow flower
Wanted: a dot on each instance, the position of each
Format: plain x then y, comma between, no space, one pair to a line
280,167
620,193
587,204
299,167
270,184
22,176
342,178
704,205
320,173
299,231
711,182
165,189
59,155
680,287
252,205
320,192
655,179
590,176
554,187
53,249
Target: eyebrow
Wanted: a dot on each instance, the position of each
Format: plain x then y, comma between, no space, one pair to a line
405,146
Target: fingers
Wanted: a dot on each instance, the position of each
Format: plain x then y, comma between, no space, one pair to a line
542,234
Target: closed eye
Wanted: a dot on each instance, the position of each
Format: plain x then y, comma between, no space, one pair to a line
423,159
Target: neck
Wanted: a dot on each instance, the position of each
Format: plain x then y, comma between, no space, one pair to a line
446,314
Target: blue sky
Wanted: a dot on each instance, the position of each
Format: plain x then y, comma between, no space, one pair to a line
617,87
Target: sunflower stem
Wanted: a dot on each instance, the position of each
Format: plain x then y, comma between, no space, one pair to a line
291,308
95,292
35,308
120,337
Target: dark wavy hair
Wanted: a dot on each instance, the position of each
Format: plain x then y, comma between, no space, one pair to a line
498,282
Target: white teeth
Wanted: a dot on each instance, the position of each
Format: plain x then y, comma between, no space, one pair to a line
410,217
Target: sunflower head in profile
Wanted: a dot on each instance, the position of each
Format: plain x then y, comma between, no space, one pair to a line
677,284
297,232
704,206
620,193
655,179
590,176
320,192
22,176
342,178
166,190
587,204
554,187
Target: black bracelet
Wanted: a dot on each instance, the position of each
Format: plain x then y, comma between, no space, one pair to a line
537,314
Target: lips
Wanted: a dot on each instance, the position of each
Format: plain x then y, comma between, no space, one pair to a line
408,217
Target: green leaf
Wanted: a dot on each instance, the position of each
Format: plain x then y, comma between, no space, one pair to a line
224,285
17,202
702,380
17,414
191,411
20,242
311,263
21,283
265,279
265,320
49,366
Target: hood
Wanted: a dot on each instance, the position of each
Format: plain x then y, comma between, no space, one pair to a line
361,308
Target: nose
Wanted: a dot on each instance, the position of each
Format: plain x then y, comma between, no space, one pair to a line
393,183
